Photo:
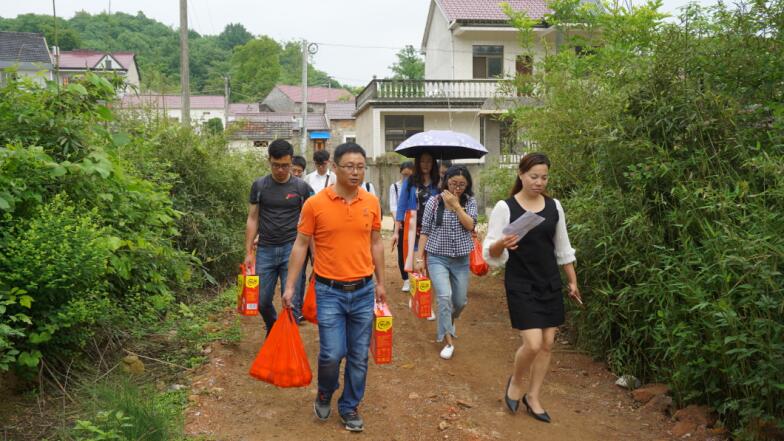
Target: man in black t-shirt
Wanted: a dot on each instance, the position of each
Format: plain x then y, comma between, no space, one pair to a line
275,204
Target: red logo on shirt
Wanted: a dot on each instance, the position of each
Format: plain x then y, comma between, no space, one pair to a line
291,196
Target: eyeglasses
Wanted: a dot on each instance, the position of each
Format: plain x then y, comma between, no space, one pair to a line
280,166
456,186
353,167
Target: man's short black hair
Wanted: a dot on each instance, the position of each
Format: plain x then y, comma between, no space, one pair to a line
299,161
406,164
321,156
348,147
280,148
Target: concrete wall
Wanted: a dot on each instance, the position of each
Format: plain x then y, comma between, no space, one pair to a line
340,129
438,55
198,116
279,102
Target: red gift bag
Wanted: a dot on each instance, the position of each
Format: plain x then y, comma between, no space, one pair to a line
477,261
248,295
282,360
309,311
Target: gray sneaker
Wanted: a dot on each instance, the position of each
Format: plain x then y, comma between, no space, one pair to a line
352,421
321,406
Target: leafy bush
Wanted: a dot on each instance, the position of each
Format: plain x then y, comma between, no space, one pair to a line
79,231
669,164
209,187
59,259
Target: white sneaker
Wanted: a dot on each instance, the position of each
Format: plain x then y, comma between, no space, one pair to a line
406,286
447,352
432,315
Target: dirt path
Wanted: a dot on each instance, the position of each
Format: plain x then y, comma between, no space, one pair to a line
408,399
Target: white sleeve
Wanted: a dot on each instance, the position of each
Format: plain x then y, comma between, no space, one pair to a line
392,200
372,189
499,218
564,253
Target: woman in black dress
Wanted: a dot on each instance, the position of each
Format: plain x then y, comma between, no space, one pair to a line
533,283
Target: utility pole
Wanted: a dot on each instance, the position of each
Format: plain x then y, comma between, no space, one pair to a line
184,67
303,148
56,47
226,95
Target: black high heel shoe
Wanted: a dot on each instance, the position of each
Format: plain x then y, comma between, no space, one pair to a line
513,405
543,417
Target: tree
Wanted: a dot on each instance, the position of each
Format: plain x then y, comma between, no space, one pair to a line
255,68
409,66
234,34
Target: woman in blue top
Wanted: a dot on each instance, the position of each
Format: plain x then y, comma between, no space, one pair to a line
414,194
448,221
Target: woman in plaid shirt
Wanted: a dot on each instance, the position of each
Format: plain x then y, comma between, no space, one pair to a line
447,224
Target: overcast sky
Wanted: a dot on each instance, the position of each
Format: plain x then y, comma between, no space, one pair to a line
358,38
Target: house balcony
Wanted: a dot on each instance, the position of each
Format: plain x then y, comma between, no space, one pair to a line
454,93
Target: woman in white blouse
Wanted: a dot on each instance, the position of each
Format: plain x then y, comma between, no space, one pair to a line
532,280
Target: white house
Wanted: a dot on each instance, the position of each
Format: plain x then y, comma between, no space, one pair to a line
469,46
26,54
203,107
75,63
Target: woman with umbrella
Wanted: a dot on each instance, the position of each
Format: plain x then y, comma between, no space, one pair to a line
449,220
414,194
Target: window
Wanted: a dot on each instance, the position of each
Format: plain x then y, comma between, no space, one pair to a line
350,138
259,143
488,61
107,64
397,128
318,144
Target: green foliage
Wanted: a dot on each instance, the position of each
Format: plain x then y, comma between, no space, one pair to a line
497,180
58,258
208,185
156,46
135,413
409,65
81,235
255,67
669,163
214,126
67,37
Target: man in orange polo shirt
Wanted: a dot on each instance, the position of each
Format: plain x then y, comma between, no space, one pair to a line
344,221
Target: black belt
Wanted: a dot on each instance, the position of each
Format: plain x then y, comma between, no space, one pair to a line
344,286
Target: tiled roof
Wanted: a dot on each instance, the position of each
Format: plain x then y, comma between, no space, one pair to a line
87,59
172,101
490,10
23,47
243,108
316,121
260,130
340,110
315,94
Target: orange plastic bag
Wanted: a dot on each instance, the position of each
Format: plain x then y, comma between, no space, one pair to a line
477,261
248,295
282,360
309,311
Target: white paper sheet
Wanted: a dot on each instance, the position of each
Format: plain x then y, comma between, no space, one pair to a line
523,224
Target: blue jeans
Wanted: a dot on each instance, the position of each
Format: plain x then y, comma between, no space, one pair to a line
345,321
449,276
272,263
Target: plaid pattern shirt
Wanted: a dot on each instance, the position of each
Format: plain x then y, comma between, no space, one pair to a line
450,238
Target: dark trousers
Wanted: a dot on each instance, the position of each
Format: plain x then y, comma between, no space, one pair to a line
400,262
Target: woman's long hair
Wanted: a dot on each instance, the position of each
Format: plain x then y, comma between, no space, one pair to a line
459,170
416,178
526,163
